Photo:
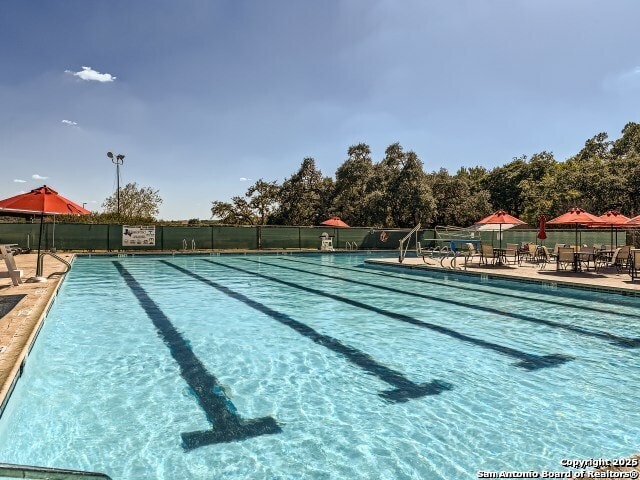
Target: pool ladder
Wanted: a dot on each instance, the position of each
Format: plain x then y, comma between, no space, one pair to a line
8,470
351,245
403,249
184,244
51,254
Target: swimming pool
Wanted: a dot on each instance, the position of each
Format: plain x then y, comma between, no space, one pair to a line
317,366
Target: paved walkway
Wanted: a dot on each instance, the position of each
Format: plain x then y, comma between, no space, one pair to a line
20,325
604,280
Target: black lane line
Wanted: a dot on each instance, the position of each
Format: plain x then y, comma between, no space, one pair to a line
527,361
404,389
626,342
368,269
227,425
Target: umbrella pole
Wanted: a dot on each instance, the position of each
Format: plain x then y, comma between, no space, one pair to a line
612,245
38,263
500,243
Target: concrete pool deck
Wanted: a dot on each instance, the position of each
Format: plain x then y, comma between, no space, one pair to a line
20,325
606,280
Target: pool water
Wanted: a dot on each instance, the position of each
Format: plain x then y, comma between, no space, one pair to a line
318,366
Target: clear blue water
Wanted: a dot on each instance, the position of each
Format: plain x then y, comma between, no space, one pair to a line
356,372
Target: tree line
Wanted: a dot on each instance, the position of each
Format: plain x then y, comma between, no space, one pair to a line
397,192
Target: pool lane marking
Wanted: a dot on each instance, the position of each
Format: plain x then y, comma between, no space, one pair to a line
468,287
620,341
528,361
227,425
404,389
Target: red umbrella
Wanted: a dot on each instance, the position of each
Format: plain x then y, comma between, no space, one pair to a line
334,222
576,216
43,201
501,218
614,219
634,222
542,234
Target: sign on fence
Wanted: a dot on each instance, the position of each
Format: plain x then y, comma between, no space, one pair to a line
140,235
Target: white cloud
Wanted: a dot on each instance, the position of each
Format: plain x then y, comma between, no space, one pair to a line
17,180
89,74
244,179
35,176
70,123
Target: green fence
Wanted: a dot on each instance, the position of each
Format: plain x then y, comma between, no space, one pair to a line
109,237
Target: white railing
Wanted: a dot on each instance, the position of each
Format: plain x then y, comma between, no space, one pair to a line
403,250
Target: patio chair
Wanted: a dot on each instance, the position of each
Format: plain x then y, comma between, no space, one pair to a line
12,272
543,256
530,254
587,256
604,261
488,253
635,265
470,254
624,258
555,249
511,252
565,258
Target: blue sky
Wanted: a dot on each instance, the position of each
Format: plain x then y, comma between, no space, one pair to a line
205,97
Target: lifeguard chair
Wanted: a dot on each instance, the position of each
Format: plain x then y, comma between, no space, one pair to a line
326,242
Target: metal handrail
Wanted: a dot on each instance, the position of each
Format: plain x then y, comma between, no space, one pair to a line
193,245
184,244
8,470
60,259
407,236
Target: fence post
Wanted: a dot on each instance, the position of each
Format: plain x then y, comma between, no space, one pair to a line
299,238
211,237
259,233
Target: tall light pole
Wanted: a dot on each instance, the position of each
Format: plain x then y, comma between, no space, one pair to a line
117,161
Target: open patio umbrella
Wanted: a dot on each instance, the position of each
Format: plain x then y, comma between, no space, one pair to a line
613,219
634,222
542,234
334,222
42,201
500,218
576,216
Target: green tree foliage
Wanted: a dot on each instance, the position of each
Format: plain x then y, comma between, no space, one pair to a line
136,203
396,192
303,197
354,186
408,191
254,208
459,200
504,185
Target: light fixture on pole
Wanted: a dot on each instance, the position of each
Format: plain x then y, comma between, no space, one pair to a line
117,160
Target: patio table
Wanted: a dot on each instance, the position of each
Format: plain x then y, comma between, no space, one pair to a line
583,257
